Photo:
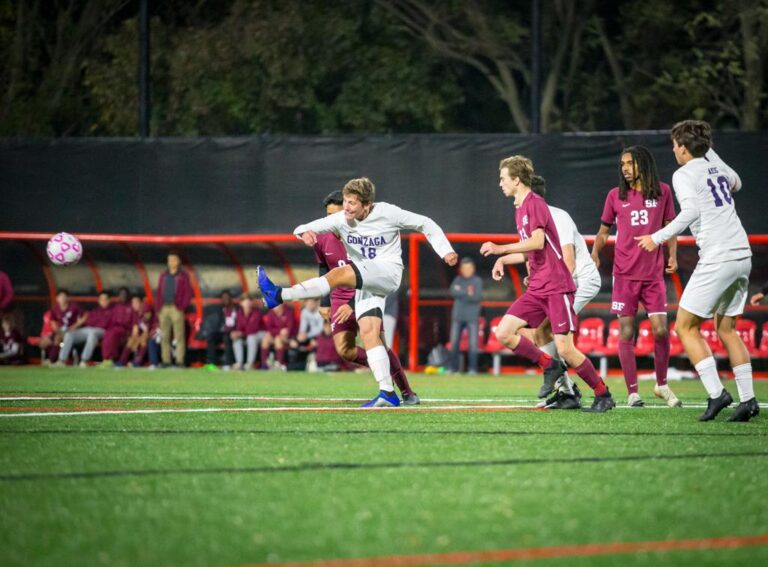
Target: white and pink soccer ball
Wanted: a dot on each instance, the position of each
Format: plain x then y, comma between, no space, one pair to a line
64,249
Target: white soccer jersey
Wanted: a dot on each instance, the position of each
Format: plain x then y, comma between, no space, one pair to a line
569,234
704,188
377,237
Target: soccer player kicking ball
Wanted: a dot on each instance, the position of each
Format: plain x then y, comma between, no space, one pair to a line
550,293
330,253
371,235
639,205
704,186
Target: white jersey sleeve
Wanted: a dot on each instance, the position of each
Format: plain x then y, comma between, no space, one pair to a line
568,233
425,225
733,178
322,225
685,191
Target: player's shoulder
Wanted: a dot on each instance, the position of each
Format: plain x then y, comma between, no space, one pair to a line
612,195
665,188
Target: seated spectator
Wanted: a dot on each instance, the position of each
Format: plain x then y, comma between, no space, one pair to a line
310,326
90,331
6,292
137,340
119,329
11,343
326,357
249,329
217,328
149,334
63,314
280,324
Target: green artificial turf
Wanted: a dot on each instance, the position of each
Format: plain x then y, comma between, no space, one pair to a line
234,488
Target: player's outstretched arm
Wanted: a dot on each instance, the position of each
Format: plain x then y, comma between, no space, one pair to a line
308,232
689,212
429,228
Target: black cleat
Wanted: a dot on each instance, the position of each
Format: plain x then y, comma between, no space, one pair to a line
563,401
715,406
745,411
552,375
602,404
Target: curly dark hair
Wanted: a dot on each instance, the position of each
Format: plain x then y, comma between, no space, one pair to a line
334,198
645,169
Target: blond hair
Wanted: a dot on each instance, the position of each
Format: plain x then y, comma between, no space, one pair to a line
362,187
520,167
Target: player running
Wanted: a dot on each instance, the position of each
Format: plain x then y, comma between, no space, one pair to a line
639,205
370,233
704,186
330,254
550,293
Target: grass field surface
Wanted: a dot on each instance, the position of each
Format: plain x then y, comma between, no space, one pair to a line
187,467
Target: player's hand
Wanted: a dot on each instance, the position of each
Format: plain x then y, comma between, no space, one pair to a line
646,243
671,265
756,299
342,314
498,270
596,260
326,313
489,248
526,279
309,238
451,258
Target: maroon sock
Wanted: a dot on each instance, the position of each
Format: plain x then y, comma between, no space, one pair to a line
264,357
628,365
398,374
661,359
362,357
526,349
125,356
53,353
280,355
138,358
586,371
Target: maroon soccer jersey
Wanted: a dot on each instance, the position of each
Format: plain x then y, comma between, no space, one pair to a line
65,317
275,321
250,323
122,316
548,273
10,341
230,317
98,317
634,217
330,252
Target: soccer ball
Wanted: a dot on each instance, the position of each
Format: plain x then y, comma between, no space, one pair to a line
64,249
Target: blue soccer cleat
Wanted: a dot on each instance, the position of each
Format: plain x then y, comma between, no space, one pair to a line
383,400
272,293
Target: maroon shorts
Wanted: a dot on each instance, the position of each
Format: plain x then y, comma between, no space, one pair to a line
628,293
557,307
348,325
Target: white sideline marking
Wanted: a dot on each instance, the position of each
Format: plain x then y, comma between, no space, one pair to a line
255,399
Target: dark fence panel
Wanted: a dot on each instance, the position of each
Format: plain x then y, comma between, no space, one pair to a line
271,184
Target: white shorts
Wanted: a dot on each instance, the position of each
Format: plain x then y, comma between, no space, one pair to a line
718,289
586,290
379,279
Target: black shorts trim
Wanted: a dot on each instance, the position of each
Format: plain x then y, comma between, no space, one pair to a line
358,277
375,312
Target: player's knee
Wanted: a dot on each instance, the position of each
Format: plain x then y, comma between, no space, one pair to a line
626,332
506,335
659,332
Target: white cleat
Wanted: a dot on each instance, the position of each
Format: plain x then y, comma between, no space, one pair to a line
635,401
665,393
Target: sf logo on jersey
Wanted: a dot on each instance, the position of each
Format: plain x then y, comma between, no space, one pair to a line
650,203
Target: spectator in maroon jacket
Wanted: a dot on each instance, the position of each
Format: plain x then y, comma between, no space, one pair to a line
133,342
280,324
63,314
119,329
248,331
11,344
6,292
94,324
174,293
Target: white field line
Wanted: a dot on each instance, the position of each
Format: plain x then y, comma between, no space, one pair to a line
302,409
254,399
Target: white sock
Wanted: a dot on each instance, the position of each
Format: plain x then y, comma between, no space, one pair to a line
566,385
315,287
378,360
551,349
743,375
707,370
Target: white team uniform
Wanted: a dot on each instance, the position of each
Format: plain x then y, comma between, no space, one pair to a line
704,188
585,274
373,247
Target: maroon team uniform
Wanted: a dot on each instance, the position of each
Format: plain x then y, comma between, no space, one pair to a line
330,253
550,290
550,284
65,318
117,333
12,344
638,276
273,323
